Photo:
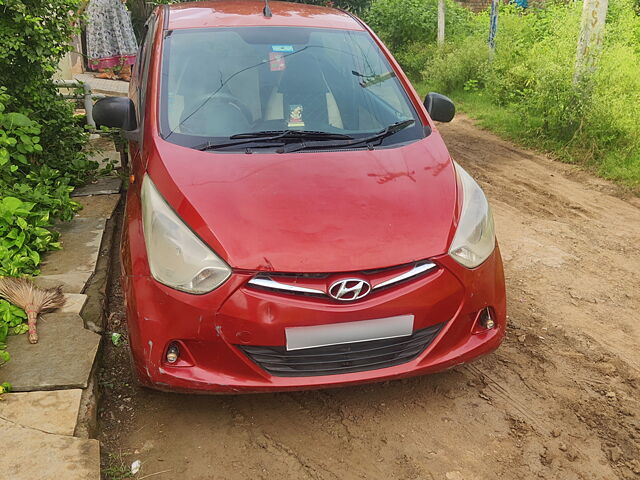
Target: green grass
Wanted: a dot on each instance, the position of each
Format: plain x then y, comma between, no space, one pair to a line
622,167
116,469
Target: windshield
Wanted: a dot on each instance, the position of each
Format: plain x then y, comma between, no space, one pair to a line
218,83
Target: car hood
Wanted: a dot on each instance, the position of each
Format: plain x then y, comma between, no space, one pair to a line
314,212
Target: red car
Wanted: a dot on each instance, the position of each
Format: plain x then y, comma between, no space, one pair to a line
294,219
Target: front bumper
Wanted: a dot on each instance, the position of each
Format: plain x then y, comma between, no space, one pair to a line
211,329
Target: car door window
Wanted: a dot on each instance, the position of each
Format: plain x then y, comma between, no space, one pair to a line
141,69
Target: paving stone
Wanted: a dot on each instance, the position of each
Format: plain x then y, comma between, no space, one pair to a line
29,454
62,358
97,206
70,282
74,303
81,240
102,186
73,266
106,156
51,412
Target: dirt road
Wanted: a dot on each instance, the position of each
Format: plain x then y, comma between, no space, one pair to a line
559,400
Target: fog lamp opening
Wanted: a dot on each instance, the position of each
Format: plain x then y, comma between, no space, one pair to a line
486,319
173,353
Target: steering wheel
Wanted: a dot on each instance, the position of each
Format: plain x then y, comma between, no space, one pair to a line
207,101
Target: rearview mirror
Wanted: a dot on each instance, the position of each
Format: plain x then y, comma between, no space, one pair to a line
440,108
115,112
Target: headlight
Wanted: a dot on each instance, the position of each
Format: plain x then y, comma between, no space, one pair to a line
177,257
475,237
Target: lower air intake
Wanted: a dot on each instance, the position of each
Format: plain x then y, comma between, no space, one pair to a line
346,358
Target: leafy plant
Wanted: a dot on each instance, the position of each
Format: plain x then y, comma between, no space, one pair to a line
12,321
471,85
23,237
34,36
355,6
42,155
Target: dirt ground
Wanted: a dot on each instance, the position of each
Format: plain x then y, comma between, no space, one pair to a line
559,400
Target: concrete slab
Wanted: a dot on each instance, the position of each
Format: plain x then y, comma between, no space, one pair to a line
34,455
70,282
102,186
51,412
81,240
97,206
74,303
102,143
62,358
103,85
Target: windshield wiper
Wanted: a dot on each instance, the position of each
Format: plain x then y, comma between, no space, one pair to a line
373,79
272,136
382,134
278,134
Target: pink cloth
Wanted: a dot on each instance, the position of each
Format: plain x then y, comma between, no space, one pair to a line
110,62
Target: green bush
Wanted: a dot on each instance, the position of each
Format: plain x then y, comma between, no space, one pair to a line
455,66
401,23
356,6
41,142
415,57
34,36
31,196
531,75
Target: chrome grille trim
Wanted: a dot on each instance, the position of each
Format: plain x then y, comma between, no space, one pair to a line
414,272
265,281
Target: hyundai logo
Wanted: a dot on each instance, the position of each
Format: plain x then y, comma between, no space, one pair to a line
349,289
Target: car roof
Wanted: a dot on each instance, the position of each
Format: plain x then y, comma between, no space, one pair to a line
241,13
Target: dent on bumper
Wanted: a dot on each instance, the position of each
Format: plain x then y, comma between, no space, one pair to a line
209,327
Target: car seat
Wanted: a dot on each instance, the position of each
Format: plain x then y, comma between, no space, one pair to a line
302,98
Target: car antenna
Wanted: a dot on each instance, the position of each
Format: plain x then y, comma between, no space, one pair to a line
266,11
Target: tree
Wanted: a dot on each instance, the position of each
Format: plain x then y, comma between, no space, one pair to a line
34,36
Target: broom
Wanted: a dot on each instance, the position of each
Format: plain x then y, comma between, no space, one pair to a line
24,294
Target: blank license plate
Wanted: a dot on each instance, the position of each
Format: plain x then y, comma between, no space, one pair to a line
299,338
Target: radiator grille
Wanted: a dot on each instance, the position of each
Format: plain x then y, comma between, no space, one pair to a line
346,358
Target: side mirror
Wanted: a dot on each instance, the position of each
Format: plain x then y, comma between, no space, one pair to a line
440,108
115,112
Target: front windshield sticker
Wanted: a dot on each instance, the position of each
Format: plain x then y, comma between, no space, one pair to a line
282,48
295,116
277,62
